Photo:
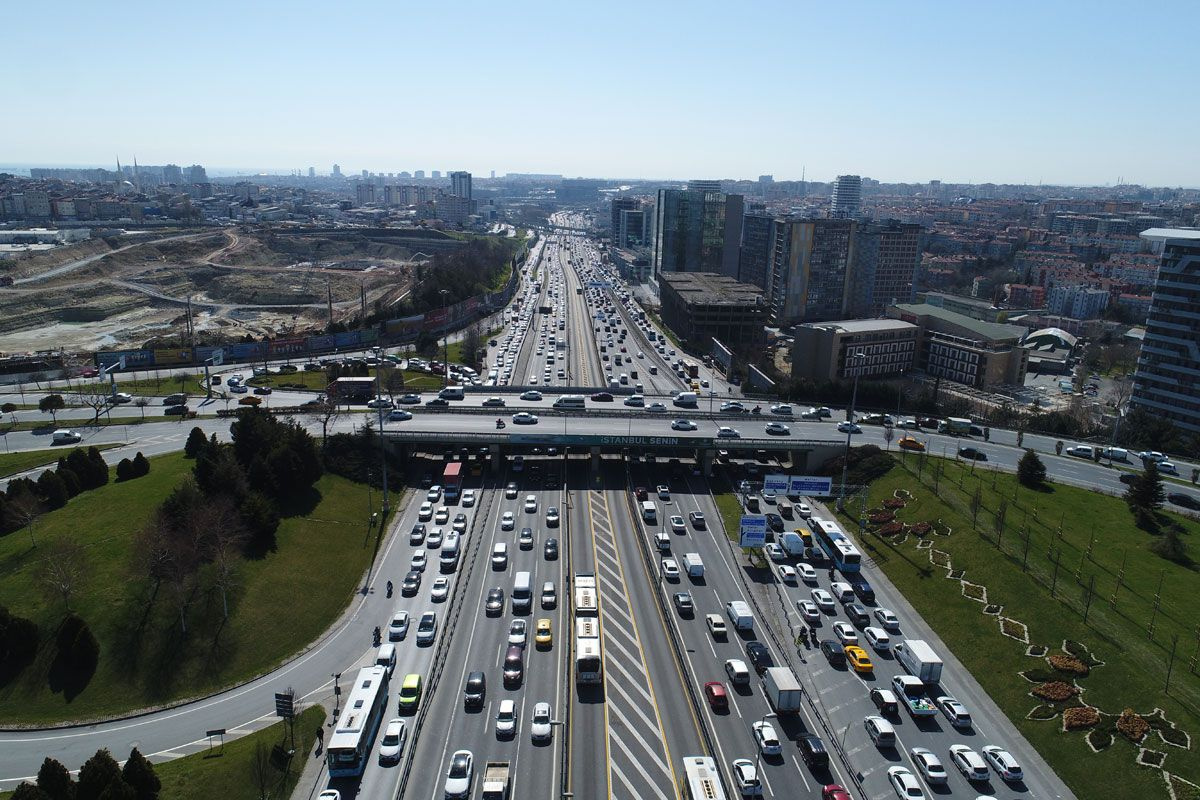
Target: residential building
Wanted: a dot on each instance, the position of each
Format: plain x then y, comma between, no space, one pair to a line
697,231
847,197
703,186
886,259
1080,302
963,349
454,209
460,184
830,350
1167,380
633,265
809,270
1027,295
337,171
754,256
365,193
701,306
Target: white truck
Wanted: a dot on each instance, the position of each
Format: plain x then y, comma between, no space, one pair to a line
693,564
739,615
782,690
911,692
495,780
919,659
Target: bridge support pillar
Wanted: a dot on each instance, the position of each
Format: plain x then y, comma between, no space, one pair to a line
706,462
595,459
799,460
496,459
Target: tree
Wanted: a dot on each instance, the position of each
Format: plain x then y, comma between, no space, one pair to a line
327,412
261,520
53,489
27,791
141,403
217,471
23,510
1146,491
471,341
196,442
138,772
124,469
118,790
63,570
96,396
18,641
96,774
1031,472
1171,547
99,466
141,465
8,408
223,543
262,768
52,403
55,780
976,504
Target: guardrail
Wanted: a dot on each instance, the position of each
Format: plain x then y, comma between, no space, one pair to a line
567,587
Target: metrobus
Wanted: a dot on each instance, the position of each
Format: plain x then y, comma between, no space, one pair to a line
586,604
354,737
588,661
701,780
836,544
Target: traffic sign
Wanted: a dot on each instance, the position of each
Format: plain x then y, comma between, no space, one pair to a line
218,357
810,485
284,704
753,530
776,483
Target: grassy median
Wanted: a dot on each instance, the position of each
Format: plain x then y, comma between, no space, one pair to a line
278,603
1053,557
12,463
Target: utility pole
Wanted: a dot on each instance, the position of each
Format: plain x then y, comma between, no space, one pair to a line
1088,605
1171,663
1157,601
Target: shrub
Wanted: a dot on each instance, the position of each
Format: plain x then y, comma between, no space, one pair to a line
53,490
1055,691
1132,726
141,465
1031,471
124,469
77,645
1080,717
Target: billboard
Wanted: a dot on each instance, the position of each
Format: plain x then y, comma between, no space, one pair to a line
323,342
722,355
173,356
280,347
753,530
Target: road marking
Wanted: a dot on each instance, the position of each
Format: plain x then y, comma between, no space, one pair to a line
800,770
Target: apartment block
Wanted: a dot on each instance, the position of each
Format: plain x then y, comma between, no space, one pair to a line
963,349
832,350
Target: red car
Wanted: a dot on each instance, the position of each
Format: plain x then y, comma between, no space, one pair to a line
641,493
834,791
714,691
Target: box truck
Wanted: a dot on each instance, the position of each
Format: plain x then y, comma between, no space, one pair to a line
782,689
919,659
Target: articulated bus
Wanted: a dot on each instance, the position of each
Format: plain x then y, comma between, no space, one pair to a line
701,781
588,656
836,544
354,737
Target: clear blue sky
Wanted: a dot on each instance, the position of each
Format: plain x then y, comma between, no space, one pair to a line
1057,92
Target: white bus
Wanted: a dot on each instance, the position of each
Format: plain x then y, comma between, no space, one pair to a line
586,602
352,740
701,781
588,661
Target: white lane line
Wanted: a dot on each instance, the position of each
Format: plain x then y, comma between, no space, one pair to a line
616,770
800,770
637,764
633,704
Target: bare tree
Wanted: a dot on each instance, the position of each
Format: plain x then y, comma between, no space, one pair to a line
223,539
1121,391
393,381
24,509
63,570
96,396
141,403
262,769
326,413
152,552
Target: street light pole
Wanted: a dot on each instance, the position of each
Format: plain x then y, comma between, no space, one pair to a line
849,431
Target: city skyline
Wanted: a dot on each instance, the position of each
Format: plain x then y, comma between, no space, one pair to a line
949,93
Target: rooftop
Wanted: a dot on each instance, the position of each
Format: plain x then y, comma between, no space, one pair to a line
711,288
1162,234
985,330
862,325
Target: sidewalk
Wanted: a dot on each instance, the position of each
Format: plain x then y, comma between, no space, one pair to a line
316,771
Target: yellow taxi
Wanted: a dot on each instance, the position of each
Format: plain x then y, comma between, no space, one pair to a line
858,658
542,635
909,443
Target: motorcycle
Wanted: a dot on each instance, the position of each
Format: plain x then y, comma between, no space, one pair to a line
377,636
499,423
389,588
756,410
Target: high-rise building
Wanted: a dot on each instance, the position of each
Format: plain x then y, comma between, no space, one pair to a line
171,173
635,228
419,173
1077,302
460,184
700,185
620,204
697,231
886,259
337,171
847,197
365,193
1167,380
754,257
437,173
312,172
809,274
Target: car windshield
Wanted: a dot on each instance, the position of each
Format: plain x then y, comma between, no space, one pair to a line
458,767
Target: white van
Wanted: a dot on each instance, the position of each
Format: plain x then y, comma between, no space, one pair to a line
569,401
662,540
649,512
449,554
522,593
452,393
739,614
686,399
842,591
385,657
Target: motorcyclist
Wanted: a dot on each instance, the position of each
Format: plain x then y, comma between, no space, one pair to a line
389,588
377,635
499,423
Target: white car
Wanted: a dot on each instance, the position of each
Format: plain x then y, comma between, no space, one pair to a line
823,599
954,711
434,539
905,784
399,415
670,569
787,574
506,719
847,426
459,775
683,425
803,510
656,407
394,736
426,512
531,504
541,729
524,418
441,589
510,491
775,552
468,498
121,397
419,558
746,777
727,433
678,525
808,610
516,633
1003,762
888,620
929,765
878,639
969,763
500,555
807,573
778,429
434,493
507,521
442,516
460,523
845,633
716,625
398,627
766,738
532,394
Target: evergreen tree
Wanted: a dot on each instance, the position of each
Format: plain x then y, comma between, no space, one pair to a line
141,465
124,469
99,465
69,478
27,791
55,780
1146,492
196,442
1031,471
96,774
138,772
118,790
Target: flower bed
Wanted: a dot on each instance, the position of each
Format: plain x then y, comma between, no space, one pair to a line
1132,726
1068,664
1080,717
1057,692
1099,738
891,529
1043,712
881,517
894,503
922,528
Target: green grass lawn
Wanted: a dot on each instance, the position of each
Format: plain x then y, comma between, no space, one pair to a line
12,463
153,414
167,383
316,381
227,772
1135,663
279,604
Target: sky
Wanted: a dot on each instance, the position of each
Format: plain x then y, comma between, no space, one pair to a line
1060,92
